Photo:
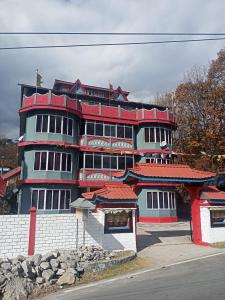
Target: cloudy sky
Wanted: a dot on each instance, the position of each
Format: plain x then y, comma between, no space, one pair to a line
143,70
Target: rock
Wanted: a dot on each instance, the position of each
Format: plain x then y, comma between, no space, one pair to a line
52,281
55,253
54,264
48,274
20,258
38,271
60,272
37,259
28,270
45,265
47,257
6,266
2,279
63,266
80,270
15,289
40,280
67,278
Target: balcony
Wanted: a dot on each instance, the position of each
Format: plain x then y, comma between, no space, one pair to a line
96,111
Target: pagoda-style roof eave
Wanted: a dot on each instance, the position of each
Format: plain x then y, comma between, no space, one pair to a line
106,200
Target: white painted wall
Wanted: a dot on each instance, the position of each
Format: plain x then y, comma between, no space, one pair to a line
59,231
210,235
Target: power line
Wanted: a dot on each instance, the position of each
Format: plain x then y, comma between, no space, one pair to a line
111,44
115,33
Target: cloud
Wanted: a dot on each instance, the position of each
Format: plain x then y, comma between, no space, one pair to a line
142,70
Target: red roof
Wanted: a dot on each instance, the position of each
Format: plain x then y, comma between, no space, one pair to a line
114,190
212,193
11,173
167,171
2,187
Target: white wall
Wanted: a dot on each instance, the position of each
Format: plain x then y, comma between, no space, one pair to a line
14,234
210,235
59,231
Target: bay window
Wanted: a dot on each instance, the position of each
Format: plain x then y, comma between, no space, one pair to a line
52,161
161,200
54,124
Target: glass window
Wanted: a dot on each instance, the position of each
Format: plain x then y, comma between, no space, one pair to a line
50,160
166,204
157,135
68,199
57,161
39,123
34,198
160,199
70,127
69,161
43,160
106,162
82,128
128,132
37,161
113,130
64,125
90,128
81,161
41,199
58,124
152,135
118,222
97,161
45,123
52,124
48,204
120,131
107,130
217,218
89,161
155,200
169,138
99,129
55,203
114,162
162,134
146,135
64,159
62,200
149,200
121,163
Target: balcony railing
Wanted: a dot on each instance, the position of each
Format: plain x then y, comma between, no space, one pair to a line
106,111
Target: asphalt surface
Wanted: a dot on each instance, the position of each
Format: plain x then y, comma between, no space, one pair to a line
193,280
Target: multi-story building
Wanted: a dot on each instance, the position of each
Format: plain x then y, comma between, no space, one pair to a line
74,137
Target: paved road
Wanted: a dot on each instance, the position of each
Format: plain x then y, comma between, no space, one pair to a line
195,280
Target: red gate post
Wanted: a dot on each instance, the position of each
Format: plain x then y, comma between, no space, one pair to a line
31,242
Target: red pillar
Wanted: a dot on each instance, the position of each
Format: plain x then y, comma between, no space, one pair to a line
196,202
31,242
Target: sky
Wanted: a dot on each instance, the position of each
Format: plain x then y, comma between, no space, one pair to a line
144,70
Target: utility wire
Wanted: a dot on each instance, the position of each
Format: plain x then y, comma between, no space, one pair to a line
111,44
114,33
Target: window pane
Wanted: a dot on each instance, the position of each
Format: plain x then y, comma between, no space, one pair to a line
57,161
90,128
174,200
82,128
62,199
89,161
48,204
97,161
68,198
152,135
169,139
58,124
52,124
160,200
129,162
166,205
55,204
41,199
128,132
162,134
149,200
43,160
106,162
69,157
64,156
99,129
114,162
120,131
171,200
81,161
45,123
113,130
38,123
70,129
37,161
155,200
50,160
157,135
107,130
121,163
34,198
65,125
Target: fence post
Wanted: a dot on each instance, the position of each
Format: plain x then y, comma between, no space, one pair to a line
31,242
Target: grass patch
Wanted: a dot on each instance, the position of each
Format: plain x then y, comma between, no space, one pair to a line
219,245
117,270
